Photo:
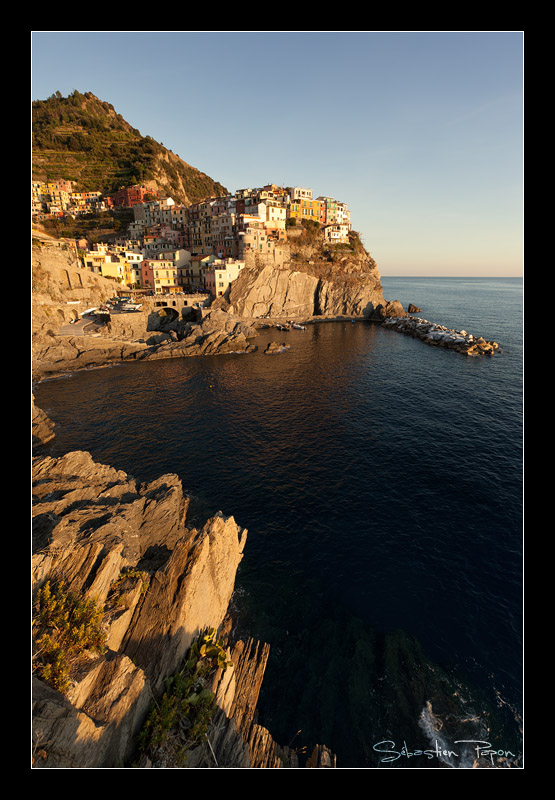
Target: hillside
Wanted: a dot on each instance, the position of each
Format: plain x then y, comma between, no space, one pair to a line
83,139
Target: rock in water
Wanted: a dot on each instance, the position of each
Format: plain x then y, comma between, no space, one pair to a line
276,347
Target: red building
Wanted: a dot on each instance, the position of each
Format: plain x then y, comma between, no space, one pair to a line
132,195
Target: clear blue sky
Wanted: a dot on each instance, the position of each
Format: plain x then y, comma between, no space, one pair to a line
421,133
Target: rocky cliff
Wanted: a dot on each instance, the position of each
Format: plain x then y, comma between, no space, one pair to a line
63,289
313,279
314,282
161,583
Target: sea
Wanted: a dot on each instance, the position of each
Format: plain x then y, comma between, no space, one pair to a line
381,483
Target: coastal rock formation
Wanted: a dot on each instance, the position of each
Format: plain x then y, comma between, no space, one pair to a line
41,425
439,335
92,525
312,279
62,290
160,582
285,292
312,283
273,292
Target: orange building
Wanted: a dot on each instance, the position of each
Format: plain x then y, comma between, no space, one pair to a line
303,208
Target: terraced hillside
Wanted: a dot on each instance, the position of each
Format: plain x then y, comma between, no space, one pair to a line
84,139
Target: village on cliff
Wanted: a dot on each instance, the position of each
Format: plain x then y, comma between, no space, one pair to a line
174,248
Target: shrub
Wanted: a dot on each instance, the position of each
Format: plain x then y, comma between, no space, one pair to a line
180,721
66,628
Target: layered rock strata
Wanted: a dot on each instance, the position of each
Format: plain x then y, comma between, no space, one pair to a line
95,529
288,293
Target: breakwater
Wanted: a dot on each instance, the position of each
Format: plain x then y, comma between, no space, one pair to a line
439,335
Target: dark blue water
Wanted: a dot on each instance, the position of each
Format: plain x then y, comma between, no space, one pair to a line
380,480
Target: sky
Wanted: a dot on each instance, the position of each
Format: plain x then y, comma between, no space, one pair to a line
419,132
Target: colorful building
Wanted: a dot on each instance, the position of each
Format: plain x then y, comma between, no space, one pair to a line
336,233
220,274
131,195
306,209
159,275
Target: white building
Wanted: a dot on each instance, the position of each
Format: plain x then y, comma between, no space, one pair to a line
300,193
336,233
220,274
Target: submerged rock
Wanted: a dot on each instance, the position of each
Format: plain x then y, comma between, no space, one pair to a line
276,347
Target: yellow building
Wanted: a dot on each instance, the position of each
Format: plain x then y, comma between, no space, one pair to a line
220,274
164,274
95,261
109,265
304,208
116,267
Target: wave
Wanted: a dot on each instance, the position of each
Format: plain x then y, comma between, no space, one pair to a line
464,742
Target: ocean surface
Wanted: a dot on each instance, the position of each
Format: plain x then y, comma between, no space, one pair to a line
380,480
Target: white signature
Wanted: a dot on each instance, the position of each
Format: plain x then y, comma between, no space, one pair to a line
482,749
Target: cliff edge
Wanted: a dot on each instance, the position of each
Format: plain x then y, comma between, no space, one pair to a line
311,278
119,559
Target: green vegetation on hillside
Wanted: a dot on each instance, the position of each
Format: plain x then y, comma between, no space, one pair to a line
83,139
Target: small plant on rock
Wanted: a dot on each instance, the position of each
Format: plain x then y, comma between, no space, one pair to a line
214,650
66,628
179,722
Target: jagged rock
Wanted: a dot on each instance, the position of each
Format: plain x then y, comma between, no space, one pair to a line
359,296
62,735
93,522
127,545
321,757
412,309
81,505
42,426
191,593
389,309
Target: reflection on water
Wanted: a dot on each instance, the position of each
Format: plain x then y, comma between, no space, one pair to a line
379,481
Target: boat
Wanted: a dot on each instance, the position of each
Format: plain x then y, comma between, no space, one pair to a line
298,326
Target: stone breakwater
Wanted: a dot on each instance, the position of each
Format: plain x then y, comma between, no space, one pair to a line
439,335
